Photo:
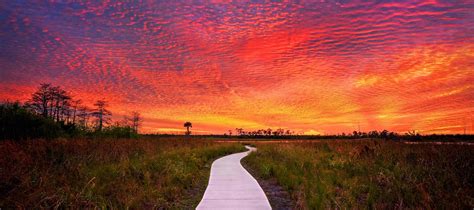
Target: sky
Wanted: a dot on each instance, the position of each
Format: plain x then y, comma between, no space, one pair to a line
315,67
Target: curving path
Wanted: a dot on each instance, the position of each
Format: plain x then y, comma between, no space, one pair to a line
232,187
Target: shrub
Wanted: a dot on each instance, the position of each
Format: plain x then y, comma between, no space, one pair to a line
17,122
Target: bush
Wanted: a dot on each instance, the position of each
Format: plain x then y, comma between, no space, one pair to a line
116,131
18,123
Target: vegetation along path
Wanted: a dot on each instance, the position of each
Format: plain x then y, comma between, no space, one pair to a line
232,187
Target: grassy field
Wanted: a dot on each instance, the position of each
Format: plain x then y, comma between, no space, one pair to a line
79,173
172,173
369,174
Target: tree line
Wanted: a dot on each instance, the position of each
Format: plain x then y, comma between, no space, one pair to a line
263,132
52,111
280,132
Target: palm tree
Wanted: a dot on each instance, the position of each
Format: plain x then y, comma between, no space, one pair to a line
188,125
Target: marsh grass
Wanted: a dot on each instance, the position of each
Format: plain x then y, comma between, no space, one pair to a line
370,174
128,173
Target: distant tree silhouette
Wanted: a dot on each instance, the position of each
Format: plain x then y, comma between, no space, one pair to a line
373,134
83,114
60,102
240,131
269,132
50,101
133,121
263,132
101,113
188,125
280,131
41,99
75,107
137,121
384,134
355,134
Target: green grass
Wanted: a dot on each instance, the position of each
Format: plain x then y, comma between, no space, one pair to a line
370,174
133,173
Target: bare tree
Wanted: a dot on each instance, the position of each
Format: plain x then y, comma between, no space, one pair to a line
54,91
83,113
50,101
136,121
40,99
101,113
133,121
75,106
64,105
55,102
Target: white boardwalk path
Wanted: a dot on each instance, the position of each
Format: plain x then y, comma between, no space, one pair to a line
232,187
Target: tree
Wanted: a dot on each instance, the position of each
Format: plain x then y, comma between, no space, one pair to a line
83,113
62,104
269,131
355,134
136,121
384,134
50,101
101,113
40,99
240,131
373,134
188,125
75,107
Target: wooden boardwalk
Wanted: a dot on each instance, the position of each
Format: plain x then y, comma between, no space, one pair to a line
232,187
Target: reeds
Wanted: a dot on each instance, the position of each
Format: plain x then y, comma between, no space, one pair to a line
364,174
107,173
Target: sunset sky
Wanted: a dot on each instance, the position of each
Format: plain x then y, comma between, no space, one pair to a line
316,67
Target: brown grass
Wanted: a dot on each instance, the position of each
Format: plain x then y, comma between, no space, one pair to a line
370,174
80,173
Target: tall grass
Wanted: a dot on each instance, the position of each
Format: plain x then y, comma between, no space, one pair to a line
370,174
128,173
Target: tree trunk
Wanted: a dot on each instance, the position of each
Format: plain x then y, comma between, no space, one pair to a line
100,122
74,116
